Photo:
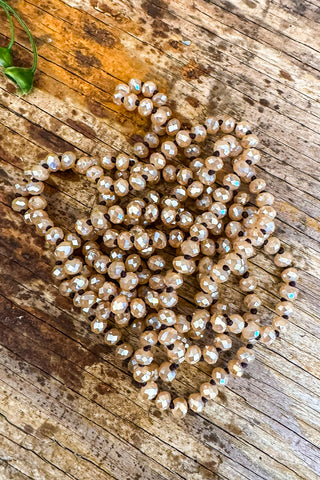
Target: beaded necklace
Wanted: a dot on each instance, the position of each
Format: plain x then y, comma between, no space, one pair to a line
112,267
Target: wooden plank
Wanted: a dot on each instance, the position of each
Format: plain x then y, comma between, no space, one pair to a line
68,409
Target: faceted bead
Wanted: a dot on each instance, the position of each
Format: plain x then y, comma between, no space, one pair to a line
200,133
34,188
272,246
200,319
237,324
167,336
195,402
119,304
222,341
138,308
220,376
167,317
280,324
88,299
182,325
245,355
288,292
166,372
163,400
284,308
63,251
248,284
235,368
264,198
169,149
212,124
20,204
290,275
252,301
124,351
73,266
210,354
129,102
193,354
177,353
142,374
283,260
103,311
251,332
268,335
218,322
184,266
189,247
149,391
180,407
53,162
208,391
98,326
143,357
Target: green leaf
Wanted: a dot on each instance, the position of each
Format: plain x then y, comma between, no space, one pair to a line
5,57
23,77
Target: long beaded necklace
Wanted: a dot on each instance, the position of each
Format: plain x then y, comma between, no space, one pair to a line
112,267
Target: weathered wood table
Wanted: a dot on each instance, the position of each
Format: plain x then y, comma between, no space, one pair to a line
68,410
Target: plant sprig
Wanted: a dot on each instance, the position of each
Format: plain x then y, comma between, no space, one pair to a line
22,77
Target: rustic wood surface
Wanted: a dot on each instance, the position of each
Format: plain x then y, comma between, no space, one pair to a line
68,410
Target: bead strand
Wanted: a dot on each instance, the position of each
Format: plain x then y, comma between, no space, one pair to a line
113,268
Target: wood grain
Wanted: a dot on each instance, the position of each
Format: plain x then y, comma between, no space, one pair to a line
68,410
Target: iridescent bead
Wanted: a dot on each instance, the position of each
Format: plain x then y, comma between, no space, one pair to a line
264,198
34,188
288,292
183,265
63,251
251,332
169,149
20,204
252,301
73,266
182,325
53,162
220,376
176,354
130,102
143,357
